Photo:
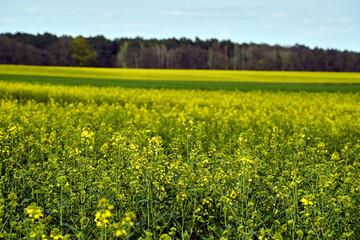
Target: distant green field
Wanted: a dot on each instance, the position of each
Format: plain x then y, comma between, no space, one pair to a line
185,79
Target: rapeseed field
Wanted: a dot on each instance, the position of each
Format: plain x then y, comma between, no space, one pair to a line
83,162
184,75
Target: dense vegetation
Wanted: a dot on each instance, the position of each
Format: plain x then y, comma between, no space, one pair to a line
85,162
48,49
185,79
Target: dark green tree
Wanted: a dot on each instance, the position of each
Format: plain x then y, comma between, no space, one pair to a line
48,49
81,53
106,50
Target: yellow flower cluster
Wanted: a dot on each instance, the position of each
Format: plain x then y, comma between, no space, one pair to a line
103,214
34,212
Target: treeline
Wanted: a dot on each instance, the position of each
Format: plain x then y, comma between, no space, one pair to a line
183,53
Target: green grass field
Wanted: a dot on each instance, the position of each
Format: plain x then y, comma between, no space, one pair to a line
185,79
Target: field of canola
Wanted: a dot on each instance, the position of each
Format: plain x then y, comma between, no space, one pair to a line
83,162
183,75
184,79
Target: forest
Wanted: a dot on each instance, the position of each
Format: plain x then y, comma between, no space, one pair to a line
50,50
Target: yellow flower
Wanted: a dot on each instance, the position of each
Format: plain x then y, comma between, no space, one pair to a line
101,217
121,232
233,194
107,214
38,214
183,197
34,211
306,202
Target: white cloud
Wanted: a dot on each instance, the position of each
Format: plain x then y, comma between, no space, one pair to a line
224,33
351,29
306,21
328,28
278,15
31,10
250,4
184,13
137,25
110,14
238,10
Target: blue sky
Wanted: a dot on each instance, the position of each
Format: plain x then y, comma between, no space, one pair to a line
314,23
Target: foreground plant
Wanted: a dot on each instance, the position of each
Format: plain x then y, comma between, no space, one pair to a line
112,163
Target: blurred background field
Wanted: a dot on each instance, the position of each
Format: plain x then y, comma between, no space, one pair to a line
185,79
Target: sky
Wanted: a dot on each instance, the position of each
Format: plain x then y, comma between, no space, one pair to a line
327,24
